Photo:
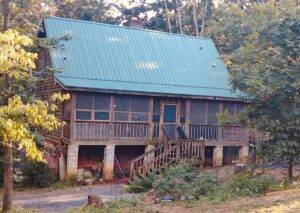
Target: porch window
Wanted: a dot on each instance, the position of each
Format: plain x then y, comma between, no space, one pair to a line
182,111
198,112
130,108
212,110
156,111
240,108
101,107
230,107
92,107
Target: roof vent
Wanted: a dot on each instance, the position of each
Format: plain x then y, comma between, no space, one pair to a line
214,64
135,22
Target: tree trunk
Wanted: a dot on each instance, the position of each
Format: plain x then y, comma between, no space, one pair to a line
168,17
203,18
8,160
290,168
5,9
8,179
195,17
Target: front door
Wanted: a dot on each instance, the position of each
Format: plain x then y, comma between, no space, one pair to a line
170,120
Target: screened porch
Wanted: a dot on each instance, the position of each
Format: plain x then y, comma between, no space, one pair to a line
142,119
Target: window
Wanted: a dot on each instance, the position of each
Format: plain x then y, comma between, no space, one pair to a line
230,107
169,113
240,108
92,107
198,112
131,108
101,107
84,101
212,111
182,111
83,115
156,110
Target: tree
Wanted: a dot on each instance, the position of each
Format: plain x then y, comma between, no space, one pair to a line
262,45
18,120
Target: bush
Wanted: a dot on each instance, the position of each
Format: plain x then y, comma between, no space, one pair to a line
245,185
175,180
37,174
139,185
183,182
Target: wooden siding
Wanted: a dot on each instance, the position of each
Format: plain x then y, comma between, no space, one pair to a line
45,90
46,87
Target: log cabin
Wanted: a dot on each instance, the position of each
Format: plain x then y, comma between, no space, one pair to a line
140,99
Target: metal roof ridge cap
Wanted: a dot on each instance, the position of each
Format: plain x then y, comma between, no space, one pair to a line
125,27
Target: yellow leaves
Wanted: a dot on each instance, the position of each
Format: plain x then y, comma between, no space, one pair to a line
17,120
14,59
58,97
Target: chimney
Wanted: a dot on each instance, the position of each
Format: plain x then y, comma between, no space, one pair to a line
135,22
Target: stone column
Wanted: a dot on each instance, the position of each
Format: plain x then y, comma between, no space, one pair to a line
62,167
243,154
147,149
72,160
109,159
218,156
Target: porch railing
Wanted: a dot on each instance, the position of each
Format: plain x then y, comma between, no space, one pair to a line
91,131
141,131
130,131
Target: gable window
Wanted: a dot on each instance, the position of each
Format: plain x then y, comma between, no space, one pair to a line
131,108
92,107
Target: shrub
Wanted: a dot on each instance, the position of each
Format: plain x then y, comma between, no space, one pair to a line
175,180
37,174
245,185
139,185
205,185
183,182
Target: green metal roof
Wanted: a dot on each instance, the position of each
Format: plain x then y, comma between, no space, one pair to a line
109,57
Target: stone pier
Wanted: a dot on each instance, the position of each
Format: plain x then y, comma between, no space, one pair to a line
147,149
72,160
109,158
243,154
218,156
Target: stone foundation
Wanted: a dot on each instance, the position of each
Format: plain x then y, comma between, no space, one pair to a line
109,159
218,156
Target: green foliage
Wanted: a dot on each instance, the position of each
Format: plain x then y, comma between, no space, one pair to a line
125,205
247,185
66,184
184,181
37,174
224,118
261,43
141,184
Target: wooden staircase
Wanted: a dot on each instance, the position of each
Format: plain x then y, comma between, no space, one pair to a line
166,153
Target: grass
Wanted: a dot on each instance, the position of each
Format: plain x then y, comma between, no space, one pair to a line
67,184
119,206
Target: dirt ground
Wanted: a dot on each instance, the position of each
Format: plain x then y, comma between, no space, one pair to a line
58,201
287,201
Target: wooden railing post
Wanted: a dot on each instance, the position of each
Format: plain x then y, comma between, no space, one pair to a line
177,151
220,134
72,117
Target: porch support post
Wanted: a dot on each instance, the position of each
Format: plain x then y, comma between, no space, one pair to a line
109,158
62,167
218,156
150,156
243,154
72,160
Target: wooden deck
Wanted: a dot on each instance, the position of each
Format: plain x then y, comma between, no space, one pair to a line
150,133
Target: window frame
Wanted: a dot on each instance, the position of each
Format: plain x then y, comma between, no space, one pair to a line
92,110
131,112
